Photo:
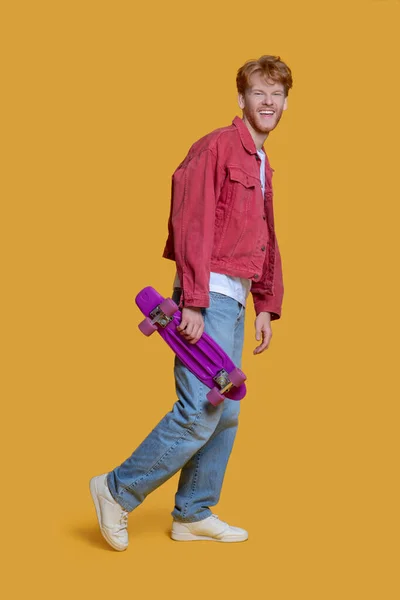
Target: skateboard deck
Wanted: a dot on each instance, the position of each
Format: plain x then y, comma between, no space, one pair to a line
205,359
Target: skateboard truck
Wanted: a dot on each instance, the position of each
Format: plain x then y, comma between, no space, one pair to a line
223,382
158,316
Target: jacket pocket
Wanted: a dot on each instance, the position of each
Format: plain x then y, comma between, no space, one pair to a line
241,189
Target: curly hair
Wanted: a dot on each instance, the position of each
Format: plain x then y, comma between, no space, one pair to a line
273,69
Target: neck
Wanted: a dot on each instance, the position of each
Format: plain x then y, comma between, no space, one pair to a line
258,138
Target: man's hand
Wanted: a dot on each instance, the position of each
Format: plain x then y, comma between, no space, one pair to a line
192,324
263,330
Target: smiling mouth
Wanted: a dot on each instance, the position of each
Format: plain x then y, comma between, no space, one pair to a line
267,113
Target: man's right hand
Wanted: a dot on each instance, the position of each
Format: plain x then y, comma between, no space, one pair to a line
192,324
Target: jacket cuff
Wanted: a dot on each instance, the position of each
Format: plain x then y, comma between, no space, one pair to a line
202,301
267,304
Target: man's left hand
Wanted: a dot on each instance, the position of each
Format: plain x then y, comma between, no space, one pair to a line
263,331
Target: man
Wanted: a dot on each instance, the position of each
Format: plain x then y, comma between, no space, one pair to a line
222,237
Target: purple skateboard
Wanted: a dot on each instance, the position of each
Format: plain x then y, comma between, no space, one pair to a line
205,359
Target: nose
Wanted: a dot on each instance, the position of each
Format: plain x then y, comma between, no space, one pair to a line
268,100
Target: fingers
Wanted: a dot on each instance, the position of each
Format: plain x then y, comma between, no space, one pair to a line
182,325
193,333
191,330
196,334
266,335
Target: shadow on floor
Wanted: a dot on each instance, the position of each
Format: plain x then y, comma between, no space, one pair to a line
140,523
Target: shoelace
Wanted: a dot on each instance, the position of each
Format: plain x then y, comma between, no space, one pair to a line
123,522
218,519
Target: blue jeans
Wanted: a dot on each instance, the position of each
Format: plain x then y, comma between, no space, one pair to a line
194,436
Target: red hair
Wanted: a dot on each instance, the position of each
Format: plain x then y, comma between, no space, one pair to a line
273,69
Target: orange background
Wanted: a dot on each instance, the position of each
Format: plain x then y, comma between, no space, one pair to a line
101,102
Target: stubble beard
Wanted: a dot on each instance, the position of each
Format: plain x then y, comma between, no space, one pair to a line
254,121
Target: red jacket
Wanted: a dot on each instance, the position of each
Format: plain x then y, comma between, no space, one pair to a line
220,222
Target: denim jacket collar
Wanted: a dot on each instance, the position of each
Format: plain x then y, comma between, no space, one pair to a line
245,135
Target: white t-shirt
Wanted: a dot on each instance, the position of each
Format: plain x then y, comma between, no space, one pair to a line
234,287
237,288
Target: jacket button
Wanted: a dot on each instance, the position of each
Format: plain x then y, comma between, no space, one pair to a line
264,217
263,248
255,276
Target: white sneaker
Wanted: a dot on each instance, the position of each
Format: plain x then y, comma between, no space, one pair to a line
113,519
211,529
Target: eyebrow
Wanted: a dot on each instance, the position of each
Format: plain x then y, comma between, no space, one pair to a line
262,91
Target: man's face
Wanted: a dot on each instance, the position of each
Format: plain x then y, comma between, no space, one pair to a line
263,104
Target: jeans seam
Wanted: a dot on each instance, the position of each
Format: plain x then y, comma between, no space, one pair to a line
131,486
193,489
167,452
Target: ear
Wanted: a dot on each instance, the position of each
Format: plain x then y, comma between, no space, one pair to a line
241,101
285,104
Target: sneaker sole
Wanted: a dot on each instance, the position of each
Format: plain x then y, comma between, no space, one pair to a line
93,492
190,537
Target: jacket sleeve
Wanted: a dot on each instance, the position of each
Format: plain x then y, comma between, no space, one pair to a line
193,221
262,298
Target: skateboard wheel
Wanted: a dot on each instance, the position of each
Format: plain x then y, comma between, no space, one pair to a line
215,397
237,377
147,327
169,307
